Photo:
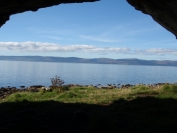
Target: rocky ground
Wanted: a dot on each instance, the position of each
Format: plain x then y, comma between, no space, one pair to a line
5,91
146,113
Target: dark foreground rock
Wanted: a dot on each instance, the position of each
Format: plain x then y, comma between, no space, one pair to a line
140,115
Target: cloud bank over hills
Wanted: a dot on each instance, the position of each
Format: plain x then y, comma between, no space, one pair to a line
52,47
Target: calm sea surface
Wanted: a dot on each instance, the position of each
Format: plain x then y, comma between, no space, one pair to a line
17,73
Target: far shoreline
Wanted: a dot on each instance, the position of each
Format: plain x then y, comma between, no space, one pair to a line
103,61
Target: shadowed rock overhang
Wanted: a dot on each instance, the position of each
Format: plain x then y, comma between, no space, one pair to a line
10,7
163,12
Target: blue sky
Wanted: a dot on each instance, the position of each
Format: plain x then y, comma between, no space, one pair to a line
104,29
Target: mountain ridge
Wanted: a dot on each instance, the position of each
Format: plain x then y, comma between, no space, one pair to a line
128,61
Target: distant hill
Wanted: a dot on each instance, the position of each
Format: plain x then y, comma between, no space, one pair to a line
93,61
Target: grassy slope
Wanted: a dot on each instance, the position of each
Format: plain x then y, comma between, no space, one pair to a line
137,109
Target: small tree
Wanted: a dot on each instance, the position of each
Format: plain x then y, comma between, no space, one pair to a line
56,82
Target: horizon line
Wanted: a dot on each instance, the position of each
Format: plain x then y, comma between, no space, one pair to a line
84,58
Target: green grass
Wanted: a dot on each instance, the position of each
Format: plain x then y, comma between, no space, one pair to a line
136,109
73,95
91,95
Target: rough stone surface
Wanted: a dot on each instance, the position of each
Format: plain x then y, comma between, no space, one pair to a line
10,7
163,12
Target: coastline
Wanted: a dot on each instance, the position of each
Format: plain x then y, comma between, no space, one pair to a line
80,109
6,91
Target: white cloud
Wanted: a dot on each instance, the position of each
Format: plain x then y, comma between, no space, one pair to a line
51,47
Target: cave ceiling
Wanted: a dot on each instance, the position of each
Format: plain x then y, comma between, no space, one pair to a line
10,7
163,12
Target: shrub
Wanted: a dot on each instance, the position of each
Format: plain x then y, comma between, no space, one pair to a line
57,83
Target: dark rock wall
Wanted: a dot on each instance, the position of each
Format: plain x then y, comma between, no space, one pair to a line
10,7
163,12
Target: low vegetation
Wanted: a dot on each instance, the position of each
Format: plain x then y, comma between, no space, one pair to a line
134,109
92,95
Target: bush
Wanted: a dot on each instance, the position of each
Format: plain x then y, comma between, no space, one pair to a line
56,83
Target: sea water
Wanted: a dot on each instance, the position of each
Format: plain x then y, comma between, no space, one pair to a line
23,73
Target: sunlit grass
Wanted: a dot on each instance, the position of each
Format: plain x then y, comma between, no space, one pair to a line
91,95
110,110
